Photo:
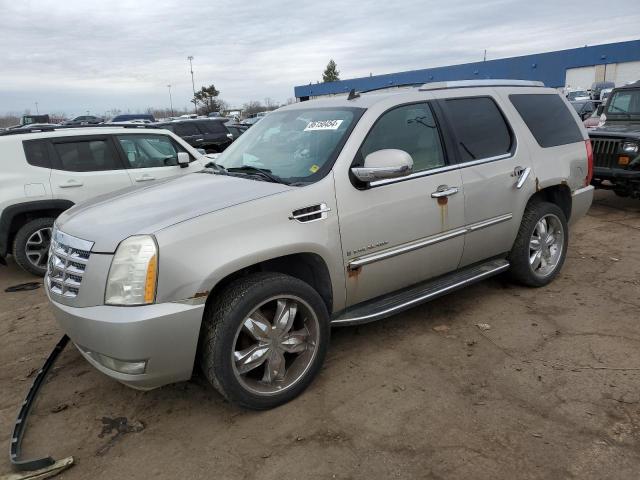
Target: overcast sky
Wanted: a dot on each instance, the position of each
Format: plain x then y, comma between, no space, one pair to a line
77,55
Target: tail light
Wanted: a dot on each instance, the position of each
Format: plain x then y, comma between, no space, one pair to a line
587,180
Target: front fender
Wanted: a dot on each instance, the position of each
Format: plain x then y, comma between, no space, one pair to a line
197,254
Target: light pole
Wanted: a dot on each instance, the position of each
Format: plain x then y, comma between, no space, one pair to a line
193,85
170,100
37,111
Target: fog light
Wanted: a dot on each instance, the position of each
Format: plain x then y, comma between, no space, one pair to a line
121,366
623,160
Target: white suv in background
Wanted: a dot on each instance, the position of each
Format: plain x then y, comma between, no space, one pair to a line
46,172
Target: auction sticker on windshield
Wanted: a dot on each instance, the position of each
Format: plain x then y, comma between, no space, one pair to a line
323,125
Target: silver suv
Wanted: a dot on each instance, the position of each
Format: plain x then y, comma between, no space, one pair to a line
332,212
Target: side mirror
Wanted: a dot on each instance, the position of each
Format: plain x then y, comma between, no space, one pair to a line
383,165
183,159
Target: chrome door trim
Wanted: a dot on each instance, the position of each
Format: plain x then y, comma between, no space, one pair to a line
425,242
488,223
405,248
446,168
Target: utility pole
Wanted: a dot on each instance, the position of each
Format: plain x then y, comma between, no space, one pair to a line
170,100
37,111
193,85
485,55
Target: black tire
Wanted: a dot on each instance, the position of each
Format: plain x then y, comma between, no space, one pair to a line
520,269
222,320
20,246
622,193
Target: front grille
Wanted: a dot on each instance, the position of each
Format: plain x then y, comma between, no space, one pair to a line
606,152
67,264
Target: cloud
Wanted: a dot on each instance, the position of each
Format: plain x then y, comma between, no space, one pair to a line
74,56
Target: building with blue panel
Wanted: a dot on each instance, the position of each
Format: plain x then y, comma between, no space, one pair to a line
574,68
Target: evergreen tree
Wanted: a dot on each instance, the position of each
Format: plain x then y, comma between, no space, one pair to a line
331,73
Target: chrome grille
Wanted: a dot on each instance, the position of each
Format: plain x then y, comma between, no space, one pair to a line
606,151
68,259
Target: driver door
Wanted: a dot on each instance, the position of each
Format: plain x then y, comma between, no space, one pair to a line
401,231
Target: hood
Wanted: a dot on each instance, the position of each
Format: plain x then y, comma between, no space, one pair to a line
109,219
614,127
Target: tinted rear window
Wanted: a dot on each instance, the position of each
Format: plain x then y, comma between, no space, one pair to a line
87,156
37,153
481,130
548,118
211,126
186,129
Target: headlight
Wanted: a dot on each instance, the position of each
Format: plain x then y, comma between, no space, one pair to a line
630,147
133,273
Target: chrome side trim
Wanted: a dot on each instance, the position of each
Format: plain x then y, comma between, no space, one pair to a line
487,223
447,168
421,298
411,246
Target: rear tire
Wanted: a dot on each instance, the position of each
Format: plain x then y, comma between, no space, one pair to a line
541,245
264,339
31,245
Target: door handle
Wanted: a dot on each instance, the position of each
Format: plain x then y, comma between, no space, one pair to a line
444,191
70,184
521,174
145,178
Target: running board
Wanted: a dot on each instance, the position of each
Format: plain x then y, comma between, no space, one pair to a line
401,300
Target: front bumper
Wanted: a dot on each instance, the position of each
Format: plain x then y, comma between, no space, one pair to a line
164,335
581,200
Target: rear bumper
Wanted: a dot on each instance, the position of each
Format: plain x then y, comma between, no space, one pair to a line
164,335
581,202
606,173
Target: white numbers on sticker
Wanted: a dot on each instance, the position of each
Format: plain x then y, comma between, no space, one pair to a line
323,125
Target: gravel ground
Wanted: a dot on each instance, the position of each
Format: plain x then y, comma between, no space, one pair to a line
550,391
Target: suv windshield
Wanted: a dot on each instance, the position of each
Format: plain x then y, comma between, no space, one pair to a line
624,102
294,145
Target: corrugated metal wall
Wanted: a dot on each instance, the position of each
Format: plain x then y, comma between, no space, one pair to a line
547,67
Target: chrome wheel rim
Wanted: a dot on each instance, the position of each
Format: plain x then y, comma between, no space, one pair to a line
275,345
546,245
37,247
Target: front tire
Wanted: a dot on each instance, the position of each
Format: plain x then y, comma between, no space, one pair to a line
541,245
31,245
264,339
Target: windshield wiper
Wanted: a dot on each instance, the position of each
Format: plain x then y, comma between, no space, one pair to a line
262,172
217,169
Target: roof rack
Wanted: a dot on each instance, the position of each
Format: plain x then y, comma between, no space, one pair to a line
20,131
480,83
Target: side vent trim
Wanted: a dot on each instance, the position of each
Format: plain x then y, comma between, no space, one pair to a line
311,213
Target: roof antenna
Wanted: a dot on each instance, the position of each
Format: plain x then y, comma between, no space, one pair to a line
353,94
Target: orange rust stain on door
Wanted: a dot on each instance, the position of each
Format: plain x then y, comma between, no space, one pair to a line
443,203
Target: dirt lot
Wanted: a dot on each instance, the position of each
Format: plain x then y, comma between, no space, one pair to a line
550,391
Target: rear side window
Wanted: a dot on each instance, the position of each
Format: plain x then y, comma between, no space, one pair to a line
37,153
481,130
210,126
87,156
186,129
548,118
